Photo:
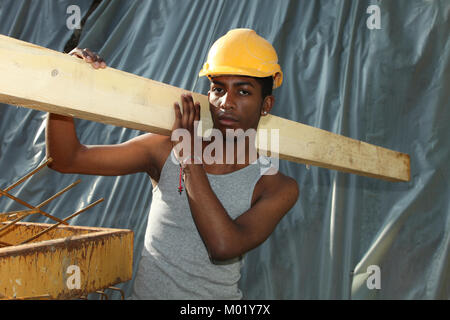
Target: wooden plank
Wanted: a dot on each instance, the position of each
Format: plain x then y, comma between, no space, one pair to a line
46,80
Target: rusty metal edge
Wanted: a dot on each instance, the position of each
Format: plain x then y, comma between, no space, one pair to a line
79,240
50,245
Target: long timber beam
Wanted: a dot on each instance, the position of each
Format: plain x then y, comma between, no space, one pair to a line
39,78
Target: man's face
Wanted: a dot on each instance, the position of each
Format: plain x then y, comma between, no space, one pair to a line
235,102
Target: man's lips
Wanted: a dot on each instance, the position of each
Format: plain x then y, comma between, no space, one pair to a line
227,119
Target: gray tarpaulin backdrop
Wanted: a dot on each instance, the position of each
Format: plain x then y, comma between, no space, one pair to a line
388,87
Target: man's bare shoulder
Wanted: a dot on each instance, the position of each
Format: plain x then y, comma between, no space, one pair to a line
280,182
277,186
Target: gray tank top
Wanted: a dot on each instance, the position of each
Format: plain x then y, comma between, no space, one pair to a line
175,263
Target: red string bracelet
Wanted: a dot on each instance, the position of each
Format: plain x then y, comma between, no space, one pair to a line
182,166
180,188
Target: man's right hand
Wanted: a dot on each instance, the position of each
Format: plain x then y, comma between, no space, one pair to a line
90,57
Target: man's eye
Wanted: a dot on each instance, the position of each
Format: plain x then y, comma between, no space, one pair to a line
244,92
217,90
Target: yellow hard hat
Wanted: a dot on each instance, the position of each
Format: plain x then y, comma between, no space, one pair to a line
243,52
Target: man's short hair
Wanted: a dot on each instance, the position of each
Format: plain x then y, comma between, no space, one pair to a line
266,86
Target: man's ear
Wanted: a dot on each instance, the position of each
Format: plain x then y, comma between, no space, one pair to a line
267,105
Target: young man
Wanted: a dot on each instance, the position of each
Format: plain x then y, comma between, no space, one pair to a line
197,232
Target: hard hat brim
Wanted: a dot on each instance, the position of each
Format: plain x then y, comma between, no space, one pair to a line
226,71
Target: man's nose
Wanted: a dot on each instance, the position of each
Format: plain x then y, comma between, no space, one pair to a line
227,102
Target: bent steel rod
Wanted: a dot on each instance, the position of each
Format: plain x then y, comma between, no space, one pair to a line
13,222
8,216
15,184
30,206
36,210
58,194
63,221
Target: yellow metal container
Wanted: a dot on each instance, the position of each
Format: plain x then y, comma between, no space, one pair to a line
65,263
